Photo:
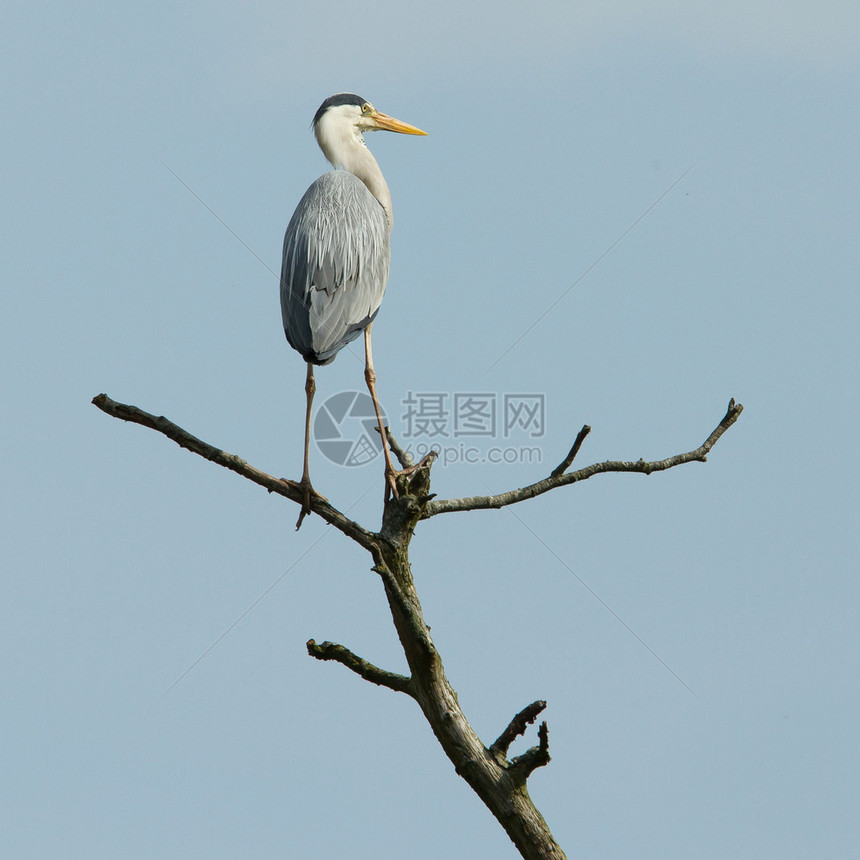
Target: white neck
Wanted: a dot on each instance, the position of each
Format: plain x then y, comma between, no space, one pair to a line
344,147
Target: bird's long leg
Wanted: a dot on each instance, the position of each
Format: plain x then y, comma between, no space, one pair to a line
370,378
305,484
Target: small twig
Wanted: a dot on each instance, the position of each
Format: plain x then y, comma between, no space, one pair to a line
289,489
406,460
524,765
564,465
333,651
557,479
517,726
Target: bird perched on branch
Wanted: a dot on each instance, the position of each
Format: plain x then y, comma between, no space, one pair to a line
337,253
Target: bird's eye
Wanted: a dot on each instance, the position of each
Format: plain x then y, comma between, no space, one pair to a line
367,108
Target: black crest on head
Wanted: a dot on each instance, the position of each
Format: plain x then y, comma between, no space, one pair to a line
337,100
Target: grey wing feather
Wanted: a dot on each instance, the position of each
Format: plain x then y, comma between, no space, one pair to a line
335,266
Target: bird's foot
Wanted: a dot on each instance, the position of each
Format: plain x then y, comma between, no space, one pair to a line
307,491
392,474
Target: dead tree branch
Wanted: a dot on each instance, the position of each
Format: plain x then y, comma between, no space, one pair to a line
281,486
566,463
499,782
524,765
559,478
381,677
403,457
517,726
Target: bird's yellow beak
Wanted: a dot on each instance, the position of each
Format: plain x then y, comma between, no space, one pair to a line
389,123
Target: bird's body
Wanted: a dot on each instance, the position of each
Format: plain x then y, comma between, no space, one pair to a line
337,252
335,266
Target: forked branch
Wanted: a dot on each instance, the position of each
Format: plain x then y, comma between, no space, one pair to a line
517,726
559,477
498,782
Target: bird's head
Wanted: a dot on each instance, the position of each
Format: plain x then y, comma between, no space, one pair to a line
343,118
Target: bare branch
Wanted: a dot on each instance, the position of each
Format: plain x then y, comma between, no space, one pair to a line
405,459
524,765
333,651
517,726
564,465
289,489
560,479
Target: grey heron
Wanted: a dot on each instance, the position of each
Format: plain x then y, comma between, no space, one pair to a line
337,253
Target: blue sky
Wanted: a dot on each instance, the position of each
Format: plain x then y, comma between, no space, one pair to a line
552,128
